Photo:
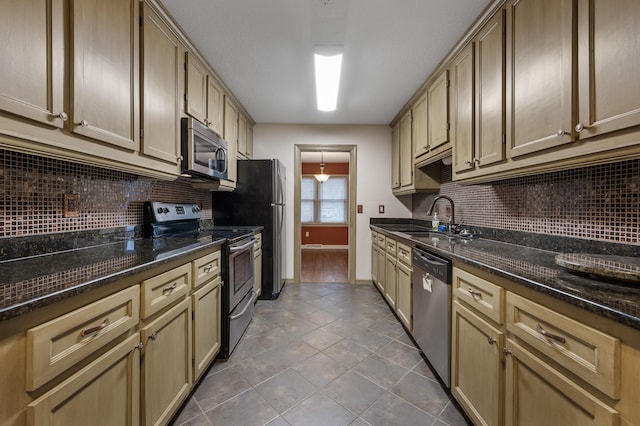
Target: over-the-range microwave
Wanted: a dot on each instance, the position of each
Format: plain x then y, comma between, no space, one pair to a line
204,152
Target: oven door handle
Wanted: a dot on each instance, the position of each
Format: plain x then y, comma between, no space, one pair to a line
249,302
234,249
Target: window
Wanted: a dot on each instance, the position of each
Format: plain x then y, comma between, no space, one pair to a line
324,202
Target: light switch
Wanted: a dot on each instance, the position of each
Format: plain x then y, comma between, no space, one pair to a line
381,209
359,208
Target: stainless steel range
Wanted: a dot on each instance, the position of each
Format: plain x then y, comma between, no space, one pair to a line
170,220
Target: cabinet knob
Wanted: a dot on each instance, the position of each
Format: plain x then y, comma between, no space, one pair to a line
63,116
491,340
580,127
180,159
139,346
469,162
560,133
84,123
476,161
506,351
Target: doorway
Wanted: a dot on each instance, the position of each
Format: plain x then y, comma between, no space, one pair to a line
325,232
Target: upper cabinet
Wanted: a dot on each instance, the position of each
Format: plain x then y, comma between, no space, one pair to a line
104,71
608,60
33,87
406,148
161,82
419,128
204,99
395,157
462,109
438,112
231,136
541,36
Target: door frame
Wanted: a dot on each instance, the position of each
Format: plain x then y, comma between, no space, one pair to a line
297,234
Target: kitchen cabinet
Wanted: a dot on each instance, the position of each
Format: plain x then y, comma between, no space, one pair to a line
231,136
420,130
540,71
462,109
257,265
104,71
204,99
374,257
33,87
391,273
106,392
395,157
242,137
206,325
161,71
516,360
382,262
249,140
166,377
404,299
406,150
608,57
438,115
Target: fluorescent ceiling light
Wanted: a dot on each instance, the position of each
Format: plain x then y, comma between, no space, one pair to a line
327,80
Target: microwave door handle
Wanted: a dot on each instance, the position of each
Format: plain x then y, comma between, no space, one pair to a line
223,154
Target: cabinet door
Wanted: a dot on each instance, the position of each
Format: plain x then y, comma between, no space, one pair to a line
395,157
206,326
536,394
406,150
438,111
242,135
462,107
419,129
105,392
382,267
249,141
166,364
231,136
374,262
257,276
32,65
105,72
540,75
161,88
215,106
404,299
608,64
196,89
477,375
390,280
490,90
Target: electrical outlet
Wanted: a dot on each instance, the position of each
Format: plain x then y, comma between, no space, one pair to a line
359,208
381,209
70,206
306,234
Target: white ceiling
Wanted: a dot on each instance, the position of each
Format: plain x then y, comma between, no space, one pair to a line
263,51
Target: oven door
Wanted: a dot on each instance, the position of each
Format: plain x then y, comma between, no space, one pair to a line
241,271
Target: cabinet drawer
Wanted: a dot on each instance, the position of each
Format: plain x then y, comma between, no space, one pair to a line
391,247
588,353
404,254
206,268
258,242
381,241
483,296
56,345
374,237
164,289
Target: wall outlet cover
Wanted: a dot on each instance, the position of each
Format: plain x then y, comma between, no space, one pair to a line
70,208
381,209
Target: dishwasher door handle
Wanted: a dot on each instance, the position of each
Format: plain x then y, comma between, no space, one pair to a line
430,260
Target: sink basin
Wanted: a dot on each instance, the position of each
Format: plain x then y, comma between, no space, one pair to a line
433,234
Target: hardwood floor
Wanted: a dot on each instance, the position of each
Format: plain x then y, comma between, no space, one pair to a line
324,266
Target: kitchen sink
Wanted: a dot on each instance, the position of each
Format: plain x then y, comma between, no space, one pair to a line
439,235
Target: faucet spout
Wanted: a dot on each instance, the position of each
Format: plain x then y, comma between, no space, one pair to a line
453,209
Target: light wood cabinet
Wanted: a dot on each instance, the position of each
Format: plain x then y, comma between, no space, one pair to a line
206,325
540,74
406,150
206,268
462,109
165,289
160,74
374,257
382,262
477,374
391,279
404,299
204,99
257,265
395,157
166,368
105,392
231,136
104,71
438,112
420,130
215,106
242,137
537,394
608,61
33,86
249,140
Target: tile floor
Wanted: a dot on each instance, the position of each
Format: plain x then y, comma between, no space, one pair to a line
322,354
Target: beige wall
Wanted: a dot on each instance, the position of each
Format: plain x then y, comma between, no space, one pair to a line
373,175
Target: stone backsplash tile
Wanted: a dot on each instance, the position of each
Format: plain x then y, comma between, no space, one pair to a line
598,202
32,190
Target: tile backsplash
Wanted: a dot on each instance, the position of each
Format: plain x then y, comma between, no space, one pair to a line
32,191
598,202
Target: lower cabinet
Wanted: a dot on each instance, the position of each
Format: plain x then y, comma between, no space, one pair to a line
257,265
105,392
518,362
206,326
166,364
404,295
374,258
391,279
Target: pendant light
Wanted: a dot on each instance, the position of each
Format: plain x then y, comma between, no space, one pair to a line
322,177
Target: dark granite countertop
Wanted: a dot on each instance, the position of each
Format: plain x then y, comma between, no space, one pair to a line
534,268
27,283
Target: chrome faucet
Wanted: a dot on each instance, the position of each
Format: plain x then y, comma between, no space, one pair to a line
453,209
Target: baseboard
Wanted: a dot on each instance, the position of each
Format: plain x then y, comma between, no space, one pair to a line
323,247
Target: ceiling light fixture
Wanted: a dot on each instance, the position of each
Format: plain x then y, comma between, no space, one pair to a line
328,63
322,178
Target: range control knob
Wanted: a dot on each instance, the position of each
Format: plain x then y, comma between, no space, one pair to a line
159,210
166,210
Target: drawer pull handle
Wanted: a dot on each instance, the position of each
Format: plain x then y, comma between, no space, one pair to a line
505,351
491,340
169,289
152,336
95,329
548,335
474,293
139,346
208,269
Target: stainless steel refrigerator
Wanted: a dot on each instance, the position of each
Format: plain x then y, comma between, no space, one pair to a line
259,199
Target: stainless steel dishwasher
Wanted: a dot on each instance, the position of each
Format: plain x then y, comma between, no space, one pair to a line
432,309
